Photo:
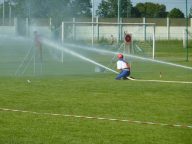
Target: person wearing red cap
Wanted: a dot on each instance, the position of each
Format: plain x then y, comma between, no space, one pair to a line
123,67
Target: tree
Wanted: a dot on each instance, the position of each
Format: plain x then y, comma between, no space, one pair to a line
135,13
109,8
126,7
40,8
80,8
56,9
176,13
103,9
52,8
151,10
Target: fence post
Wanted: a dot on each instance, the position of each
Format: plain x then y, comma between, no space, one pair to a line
16,25
62,38
144,30
3,12
168,28
97,21
191,21
154,39
92,36
184,38
27,26
74,29
50,23
62,32
121,28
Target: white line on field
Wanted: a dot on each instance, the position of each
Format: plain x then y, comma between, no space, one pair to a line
163,81
99,118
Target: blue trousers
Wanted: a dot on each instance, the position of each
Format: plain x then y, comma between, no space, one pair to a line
123,74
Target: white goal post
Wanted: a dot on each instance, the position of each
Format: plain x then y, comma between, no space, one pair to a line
96,30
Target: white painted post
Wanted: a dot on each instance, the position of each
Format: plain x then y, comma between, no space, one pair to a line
74,29
168,28
184,38
121,28
144,29
92,37
15,25
27,27
191,21
62,32
97,21
154,42
62,38
50,23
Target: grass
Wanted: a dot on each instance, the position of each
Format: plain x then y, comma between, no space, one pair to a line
101,97
173,50
98,95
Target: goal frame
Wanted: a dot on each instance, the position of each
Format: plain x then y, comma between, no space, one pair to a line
95,30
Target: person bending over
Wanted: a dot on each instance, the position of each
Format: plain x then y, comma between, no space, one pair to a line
123,67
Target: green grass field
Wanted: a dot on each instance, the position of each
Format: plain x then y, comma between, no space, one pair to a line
71,89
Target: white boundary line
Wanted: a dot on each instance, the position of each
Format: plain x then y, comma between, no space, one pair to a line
99,118
163,81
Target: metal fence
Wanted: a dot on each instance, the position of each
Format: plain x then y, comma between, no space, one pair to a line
165,28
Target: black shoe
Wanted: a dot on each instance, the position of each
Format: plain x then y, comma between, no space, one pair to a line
125,78
131,78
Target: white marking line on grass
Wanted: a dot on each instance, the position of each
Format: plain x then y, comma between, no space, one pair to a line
99,118
162,81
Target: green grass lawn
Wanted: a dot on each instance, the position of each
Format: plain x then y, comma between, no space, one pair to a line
173,50
100,96
64,89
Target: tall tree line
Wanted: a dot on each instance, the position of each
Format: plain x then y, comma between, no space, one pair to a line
60,9
108,8
56,9
48,8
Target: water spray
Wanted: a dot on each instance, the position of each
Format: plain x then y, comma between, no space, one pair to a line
66,50
129,55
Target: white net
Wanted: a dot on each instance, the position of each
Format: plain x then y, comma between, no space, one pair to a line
113,35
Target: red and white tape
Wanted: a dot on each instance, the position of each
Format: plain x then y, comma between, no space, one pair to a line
99,118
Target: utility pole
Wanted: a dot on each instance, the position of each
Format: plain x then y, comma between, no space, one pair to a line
92,22
118,20
186,17
10,12
3,12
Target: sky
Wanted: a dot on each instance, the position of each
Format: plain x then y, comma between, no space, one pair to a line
170,4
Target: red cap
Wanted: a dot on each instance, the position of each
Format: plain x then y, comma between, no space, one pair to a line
120,56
